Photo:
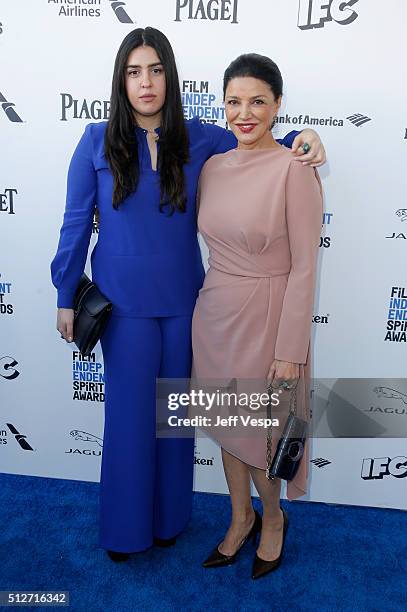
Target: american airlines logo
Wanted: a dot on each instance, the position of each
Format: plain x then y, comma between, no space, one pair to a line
90,8
119,11
320,462
358,119
9,110
20,438
315,13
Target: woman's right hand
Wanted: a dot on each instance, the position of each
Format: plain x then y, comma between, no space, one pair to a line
65,323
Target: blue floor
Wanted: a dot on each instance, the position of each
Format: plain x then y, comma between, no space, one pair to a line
337,558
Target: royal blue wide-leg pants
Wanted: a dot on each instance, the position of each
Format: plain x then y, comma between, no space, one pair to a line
146,482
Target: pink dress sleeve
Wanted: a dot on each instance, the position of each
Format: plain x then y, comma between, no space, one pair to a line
304,221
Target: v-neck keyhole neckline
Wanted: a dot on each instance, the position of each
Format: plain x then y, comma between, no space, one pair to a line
153,149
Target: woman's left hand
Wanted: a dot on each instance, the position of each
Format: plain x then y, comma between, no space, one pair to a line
281,371
316,155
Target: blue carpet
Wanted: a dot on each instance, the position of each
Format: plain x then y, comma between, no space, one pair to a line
337,558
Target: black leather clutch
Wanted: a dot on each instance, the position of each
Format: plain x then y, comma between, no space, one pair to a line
91,315
290,447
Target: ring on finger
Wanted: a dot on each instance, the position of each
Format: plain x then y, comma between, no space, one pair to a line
286,385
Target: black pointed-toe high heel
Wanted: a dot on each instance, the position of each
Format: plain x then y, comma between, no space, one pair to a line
117,556
262,567
217,559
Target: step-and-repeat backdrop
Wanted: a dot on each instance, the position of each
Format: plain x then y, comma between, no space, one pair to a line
343,66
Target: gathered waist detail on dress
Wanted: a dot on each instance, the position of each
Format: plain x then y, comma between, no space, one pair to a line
249,265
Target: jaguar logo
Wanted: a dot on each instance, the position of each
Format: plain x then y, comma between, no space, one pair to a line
390,393
86,437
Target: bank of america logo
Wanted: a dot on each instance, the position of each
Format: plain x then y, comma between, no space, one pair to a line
320,462
9,110
119,11
358,119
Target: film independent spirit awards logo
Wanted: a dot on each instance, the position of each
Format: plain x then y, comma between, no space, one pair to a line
316,13
396,325
91,8
6,306
88,380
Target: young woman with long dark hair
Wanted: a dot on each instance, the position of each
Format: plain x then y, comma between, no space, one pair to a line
141,169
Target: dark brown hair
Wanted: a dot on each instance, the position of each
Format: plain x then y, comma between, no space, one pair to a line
121,148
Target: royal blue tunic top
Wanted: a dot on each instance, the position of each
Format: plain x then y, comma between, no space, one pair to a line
146,262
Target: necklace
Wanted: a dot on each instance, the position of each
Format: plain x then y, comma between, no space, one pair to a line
153,134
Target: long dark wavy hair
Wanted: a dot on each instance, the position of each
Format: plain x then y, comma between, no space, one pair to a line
121,149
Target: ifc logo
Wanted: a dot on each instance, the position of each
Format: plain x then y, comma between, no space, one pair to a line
314,13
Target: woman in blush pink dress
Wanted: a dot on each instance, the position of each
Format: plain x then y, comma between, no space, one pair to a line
260,214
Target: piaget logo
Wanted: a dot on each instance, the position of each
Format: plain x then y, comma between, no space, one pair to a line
212,10
315,13
80,108
7,201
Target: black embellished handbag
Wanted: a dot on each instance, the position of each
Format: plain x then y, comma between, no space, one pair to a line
91,314
290,447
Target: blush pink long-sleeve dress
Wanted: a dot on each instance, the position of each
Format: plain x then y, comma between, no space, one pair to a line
260,214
